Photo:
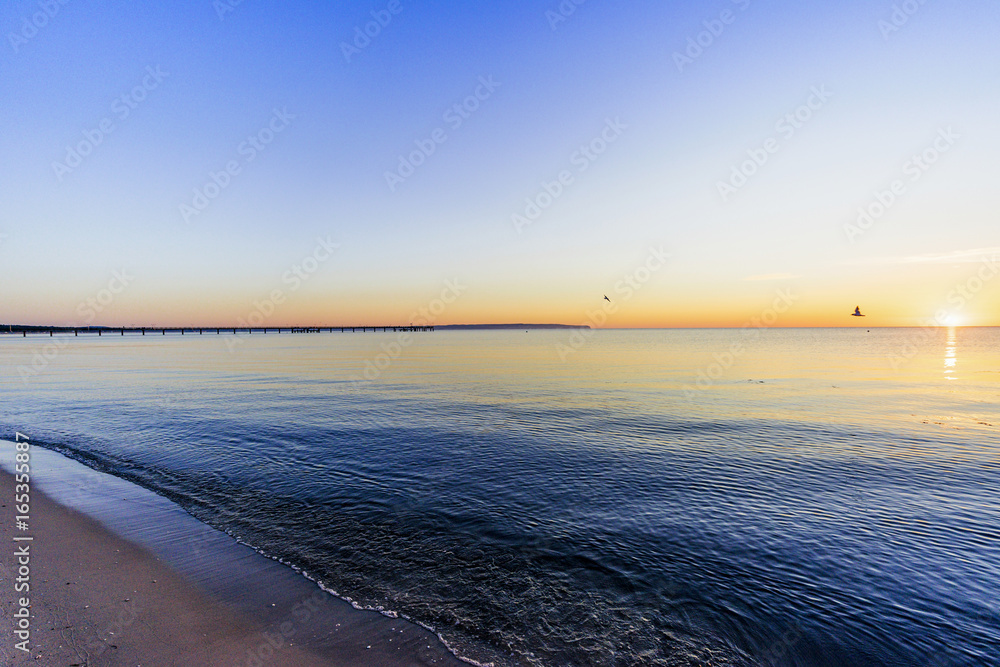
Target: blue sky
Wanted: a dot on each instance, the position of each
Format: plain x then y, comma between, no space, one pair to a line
554,88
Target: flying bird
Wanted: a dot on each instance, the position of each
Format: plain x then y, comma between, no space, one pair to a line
606,298
857,312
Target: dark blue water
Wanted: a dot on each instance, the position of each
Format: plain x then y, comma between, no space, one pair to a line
812,504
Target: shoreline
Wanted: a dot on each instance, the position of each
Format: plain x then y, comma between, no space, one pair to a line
122,576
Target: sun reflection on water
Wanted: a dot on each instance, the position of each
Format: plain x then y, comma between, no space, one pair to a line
950,357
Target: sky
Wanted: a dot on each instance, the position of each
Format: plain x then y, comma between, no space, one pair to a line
328,163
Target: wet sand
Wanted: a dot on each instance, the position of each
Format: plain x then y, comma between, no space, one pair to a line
98,599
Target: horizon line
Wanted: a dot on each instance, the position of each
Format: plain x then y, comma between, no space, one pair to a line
10,328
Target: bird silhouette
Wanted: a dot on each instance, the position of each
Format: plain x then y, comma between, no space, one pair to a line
606,298
857,312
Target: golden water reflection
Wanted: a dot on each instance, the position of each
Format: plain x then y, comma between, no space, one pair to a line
950,357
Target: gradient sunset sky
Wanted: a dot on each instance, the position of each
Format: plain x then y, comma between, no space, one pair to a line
666,120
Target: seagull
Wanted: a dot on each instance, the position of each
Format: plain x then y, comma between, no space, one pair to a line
606,298
857,312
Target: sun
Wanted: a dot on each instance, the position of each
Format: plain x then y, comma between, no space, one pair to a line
954,320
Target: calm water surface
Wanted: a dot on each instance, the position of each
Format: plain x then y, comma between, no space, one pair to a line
821,497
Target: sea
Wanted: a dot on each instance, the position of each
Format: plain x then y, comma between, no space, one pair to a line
773,497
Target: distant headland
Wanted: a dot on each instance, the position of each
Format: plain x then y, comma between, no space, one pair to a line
513,326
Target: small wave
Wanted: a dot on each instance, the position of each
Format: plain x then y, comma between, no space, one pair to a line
389,613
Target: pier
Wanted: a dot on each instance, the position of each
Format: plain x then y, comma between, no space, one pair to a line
201,331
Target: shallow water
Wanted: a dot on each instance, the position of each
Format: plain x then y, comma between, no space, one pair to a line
810,497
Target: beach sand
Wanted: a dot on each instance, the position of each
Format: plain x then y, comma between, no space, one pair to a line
97,599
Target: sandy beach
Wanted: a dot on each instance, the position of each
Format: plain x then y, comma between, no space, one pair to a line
97,599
